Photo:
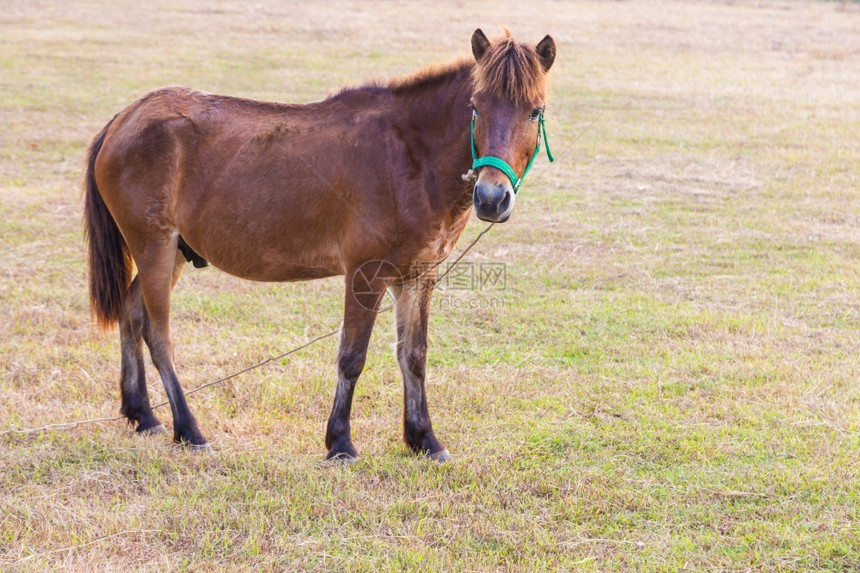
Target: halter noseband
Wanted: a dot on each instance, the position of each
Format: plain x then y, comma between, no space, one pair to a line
501,164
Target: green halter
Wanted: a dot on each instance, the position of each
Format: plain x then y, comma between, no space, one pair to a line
501,164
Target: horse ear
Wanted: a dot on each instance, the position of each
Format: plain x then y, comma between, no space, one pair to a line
480,43
545,50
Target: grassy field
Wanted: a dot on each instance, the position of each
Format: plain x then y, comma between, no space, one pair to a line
667,381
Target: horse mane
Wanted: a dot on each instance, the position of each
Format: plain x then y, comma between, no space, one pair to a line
511,70
419,81
431,75
508,69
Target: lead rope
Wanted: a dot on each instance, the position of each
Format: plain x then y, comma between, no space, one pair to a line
468,175
70,425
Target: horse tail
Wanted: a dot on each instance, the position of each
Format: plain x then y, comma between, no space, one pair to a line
110,261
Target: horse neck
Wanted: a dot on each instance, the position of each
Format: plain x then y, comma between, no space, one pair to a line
436,118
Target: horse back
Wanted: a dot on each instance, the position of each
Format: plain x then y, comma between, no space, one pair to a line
262,190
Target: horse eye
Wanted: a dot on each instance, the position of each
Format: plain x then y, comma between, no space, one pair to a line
535,114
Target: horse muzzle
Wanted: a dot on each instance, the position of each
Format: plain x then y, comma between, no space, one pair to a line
494,201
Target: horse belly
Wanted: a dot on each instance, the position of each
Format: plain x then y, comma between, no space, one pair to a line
271,207
263,246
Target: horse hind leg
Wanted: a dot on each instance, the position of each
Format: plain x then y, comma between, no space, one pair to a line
159,267
134,328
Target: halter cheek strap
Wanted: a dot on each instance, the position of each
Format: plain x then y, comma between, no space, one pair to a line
501,164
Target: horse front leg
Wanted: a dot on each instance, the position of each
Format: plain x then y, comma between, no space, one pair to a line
413,314
365,288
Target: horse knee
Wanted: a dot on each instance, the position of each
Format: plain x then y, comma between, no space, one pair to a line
350,363
414,359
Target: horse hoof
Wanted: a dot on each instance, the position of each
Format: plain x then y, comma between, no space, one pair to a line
340,459
204,448
153,431
440,457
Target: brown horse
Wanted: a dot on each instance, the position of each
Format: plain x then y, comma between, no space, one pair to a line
367,183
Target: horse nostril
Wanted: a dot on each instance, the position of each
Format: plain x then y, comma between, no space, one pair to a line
504,203
476,198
